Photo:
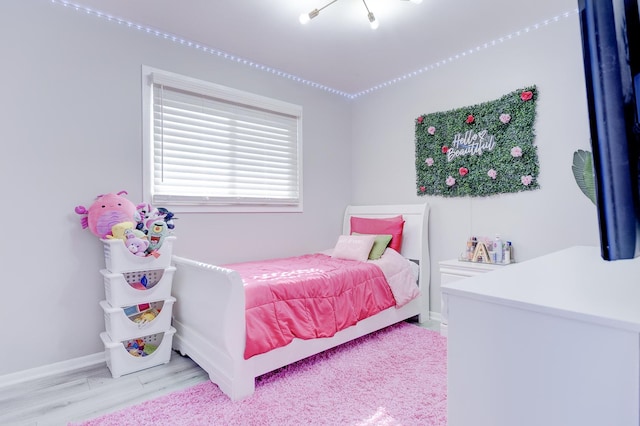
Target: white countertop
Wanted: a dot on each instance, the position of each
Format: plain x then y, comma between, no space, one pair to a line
575,282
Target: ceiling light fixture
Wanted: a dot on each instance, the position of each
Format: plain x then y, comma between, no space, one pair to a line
372,19
306,17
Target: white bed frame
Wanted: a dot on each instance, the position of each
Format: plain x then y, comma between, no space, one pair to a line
209,313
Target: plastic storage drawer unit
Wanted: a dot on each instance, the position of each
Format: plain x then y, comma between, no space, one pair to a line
139,319
119,259
135,287
121,358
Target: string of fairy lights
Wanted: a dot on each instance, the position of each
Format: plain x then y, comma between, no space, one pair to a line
283,74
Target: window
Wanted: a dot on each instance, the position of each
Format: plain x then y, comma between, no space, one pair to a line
213,148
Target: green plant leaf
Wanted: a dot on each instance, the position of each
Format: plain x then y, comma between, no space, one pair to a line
583,173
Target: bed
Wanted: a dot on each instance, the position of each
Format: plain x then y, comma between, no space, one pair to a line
210,316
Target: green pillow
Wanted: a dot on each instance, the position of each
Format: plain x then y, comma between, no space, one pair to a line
379,245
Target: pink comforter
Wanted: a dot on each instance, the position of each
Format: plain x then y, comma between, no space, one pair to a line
307,297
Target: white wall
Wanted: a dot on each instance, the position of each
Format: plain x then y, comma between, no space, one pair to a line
71,129
537,222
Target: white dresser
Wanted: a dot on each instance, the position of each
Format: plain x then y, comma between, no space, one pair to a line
454,270
553,341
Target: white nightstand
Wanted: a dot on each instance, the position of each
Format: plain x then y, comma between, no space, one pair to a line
454,270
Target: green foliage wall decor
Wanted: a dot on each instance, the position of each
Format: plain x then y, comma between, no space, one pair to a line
479,150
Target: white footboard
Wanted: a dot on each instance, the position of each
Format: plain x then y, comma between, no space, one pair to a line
209,316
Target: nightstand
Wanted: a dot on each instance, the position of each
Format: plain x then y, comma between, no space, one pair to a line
454,270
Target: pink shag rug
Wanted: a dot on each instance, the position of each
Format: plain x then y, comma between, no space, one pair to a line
396,376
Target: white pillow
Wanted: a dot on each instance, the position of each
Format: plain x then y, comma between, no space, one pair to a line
353,247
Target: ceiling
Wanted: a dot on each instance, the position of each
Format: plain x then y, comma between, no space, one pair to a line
338,49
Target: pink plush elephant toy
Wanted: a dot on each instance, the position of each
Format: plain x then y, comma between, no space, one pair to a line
107,210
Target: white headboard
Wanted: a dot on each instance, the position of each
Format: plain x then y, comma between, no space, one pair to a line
415,235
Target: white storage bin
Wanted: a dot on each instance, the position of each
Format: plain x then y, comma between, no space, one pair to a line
119,259
129,322
121,362
125,289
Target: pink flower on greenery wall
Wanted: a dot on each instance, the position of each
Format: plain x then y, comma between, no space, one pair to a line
470,119
492,173
450,181
429,161
526,180
445,149
516,151
505,118
420,119
463,171
526,95
431,130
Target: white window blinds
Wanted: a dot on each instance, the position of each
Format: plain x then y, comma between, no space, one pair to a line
214,145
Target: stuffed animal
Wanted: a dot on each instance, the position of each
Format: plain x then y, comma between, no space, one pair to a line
135,245
167,216
149,215
118,230
146,212
105,212
157,231
146,317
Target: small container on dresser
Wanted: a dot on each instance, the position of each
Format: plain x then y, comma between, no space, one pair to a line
138,307
454,270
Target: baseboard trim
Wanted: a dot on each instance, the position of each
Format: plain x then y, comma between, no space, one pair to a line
51,369
435,316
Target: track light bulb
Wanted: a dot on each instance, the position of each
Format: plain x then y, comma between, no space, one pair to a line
373,21
306,17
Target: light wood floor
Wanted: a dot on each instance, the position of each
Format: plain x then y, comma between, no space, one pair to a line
89,392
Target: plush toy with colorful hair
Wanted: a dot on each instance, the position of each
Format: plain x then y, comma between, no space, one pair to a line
149,216
146,212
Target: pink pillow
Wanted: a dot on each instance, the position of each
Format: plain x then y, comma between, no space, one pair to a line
353,247
388,225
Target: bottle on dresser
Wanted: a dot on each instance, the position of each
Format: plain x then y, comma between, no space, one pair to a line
497,249
470,248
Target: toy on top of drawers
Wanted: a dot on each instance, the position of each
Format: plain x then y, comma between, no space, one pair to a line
134,237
